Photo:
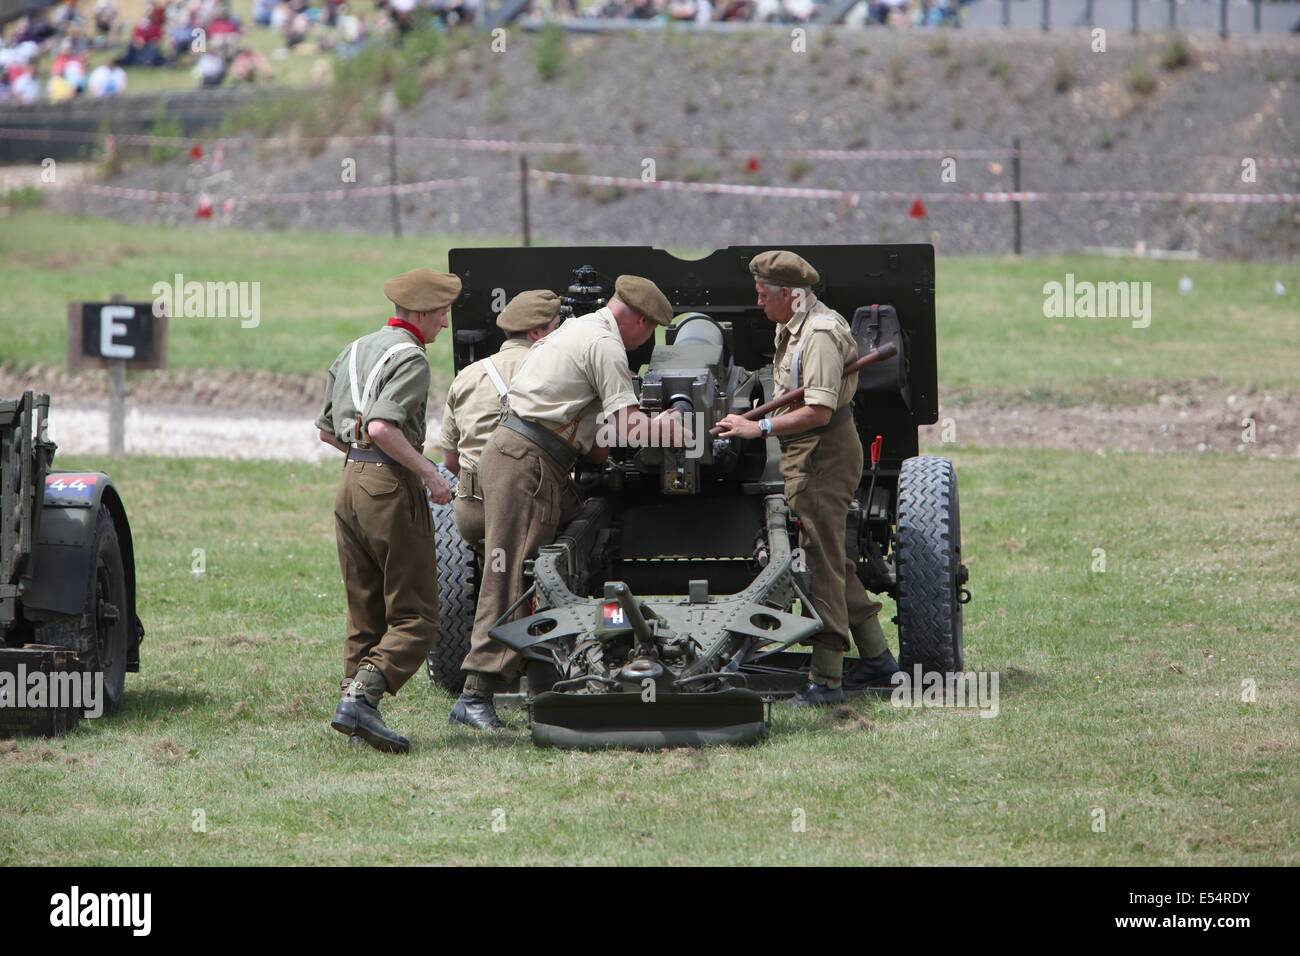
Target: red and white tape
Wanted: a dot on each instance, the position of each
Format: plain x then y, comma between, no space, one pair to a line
537,146
853,197
353,192
843,196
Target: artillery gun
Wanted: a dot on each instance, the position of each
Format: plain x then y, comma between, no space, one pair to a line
665,613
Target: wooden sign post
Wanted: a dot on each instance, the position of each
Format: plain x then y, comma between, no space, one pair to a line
114,335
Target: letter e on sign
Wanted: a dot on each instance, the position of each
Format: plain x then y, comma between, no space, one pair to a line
112,327
135,333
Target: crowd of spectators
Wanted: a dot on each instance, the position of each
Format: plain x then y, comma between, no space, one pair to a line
918,12
47,54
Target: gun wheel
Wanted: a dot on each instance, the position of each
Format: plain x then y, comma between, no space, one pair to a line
927,551
457,597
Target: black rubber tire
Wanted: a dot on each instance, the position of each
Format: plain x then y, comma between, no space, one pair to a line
927,553
457,597
106,638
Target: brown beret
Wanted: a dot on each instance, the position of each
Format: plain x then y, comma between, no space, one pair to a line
778,267
422,290
529,310
644,296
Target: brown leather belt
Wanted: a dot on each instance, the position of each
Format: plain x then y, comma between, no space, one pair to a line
838,417
559,450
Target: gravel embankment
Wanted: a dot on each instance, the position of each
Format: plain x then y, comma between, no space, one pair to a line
1082,125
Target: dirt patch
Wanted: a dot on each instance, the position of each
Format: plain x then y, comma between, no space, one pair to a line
1179,417
203,388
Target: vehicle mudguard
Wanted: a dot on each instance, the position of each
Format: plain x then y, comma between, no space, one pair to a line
63,558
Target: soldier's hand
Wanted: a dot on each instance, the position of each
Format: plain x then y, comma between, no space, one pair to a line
672,428
737,426
439,488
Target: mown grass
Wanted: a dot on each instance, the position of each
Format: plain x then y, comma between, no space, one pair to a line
1119,690
320,290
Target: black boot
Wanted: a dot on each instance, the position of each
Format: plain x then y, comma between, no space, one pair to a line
474,711
871,673
356,716
817,695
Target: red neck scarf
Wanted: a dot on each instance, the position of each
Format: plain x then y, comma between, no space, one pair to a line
403,324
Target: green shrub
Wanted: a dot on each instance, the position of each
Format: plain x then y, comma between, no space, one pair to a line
1176,54
407,88
548,52
167,128
1062,76
1141,81
24,197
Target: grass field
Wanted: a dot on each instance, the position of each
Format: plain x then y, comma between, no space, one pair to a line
1120,691
318,291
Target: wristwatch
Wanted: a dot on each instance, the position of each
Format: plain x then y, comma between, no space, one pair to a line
765,426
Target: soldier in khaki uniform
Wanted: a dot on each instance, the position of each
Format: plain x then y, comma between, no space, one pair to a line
478,397
375,397
568,382
821,462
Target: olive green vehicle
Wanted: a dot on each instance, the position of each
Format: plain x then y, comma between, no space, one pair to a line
67,572
665,614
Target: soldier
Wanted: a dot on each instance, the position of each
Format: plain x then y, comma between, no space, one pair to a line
568,382
821,462
375,397
477,399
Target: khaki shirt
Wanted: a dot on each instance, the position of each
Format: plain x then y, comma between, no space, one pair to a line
399,392
473,405
575,374
825,344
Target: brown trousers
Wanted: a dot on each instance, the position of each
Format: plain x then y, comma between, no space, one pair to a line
386,553
821,473
526,500
467,508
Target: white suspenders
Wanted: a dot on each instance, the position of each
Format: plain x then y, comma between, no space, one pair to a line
361,399
497,381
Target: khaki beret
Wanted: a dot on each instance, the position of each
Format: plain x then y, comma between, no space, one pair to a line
529,310
422,290
778,267
644,296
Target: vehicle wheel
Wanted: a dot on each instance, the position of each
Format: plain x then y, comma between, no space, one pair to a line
457,597
927,553
104,634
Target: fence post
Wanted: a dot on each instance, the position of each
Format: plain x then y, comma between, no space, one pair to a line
116,400
1173,14
1015,187
1133,17
1223,19
1006,14
523,200
395,202
1088,13
1258,26
1047,15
